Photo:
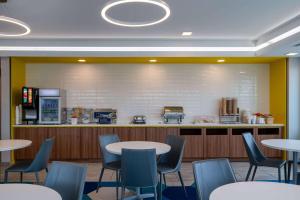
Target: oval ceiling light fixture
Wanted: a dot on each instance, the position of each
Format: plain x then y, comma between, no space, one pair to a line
14,22
115,3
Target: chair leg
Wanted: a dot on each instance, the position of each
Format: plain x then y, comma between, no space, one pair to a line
182,183
37,178
279,174
46,170
249,172
165,182
122,192
100,178
155,193
253,175
289,171
160,186
285,175
138,192
6,176
117,188
21,177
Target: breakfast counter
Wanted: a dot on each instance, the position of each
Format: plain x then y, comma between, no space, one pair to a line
199,125
203,141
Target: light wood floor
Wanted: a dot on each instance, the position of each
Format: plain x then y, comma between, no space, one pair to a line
240,169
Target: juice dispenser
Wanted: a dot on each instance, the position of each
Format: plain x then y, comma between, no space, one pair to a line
30,104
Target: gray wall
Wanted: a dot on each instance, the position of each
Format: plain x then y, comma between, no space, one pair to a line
5,104
294,98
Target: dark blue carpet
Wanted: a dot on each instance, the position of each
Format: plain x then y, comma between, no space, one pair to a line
170,193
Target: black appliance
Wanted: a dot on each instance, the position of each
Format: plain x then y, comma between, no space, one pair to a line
106,116
30,104
139,119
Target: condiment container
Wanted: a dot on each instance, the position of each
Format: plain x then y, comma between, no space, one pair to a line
74,121
270,120
260,120
253,119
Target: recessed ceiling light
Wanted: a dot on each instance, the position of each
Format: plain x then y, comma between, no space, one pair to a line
241,72
292,54
153,60
14,22
187,33
81,60
220,60
114,3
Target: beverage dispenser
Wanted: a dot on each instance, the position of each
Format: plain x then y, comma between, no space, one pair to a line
30,104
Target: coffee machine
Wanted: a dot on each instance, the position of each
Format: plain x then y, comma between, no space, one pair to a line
30,104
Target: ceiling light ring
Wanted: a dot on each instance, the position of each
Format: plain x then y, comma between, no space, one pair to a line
15,22
114,3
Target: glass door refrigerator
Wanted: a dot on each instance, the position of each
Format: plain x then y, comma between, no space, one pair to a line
51,102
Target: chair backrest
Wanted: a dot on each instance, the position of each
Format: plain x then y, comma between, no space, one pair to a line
174,156
253,152
41,159
211,174
106,140
67,179
138,168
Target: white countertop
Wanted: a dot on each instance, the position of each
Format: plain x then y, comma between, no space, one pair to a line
202,125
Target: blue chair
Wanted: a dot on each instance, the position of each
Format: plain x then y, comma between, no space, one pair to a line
39,163
109,161
211,174
67,179
171,161
139,170
256,158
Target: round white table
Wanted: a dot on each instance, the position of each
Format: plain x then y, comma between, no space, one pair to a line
116,148
8,145
27,191
287,145
256,191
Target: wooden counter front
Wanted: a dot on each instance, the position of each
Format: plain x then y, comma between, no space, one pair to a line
81,143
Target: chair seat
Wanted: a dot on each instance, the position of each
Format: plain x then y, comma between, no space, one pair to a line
116,165
272,163
165,168
20,166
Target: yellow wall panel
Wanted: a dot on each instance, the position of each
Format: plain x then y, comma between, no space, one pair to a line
278,91
17,82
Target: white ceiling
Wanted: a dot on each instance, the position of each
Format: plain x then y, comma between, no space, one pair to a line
207,19
213,22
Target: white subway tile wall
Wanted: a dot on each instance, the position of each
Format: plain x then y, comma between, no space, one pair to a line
143,89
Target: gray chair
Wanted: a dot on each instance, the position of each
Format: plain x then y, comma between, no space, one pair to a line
211,174
109,161
171,161
67,179
39,163
256,158
139,170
